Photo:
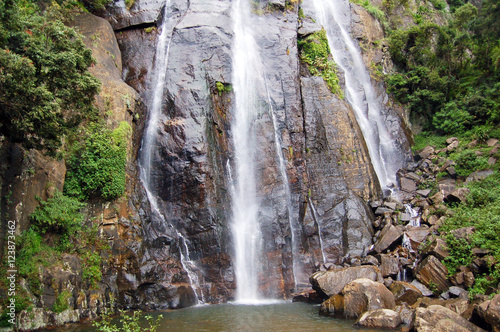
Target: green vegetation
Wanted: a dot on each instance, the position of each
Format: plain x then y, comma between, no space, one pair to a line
127,322
59,214
315,52
129,3
301,14
482,210
96,164
448,75
61,303
45,86
223,87
57,230
373,10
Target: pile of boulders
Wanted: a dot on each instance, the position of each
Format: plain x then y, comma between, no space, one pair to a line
402,280
360,293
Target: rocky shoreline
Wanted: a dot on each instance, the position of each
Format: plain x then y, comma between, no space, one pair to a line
402,282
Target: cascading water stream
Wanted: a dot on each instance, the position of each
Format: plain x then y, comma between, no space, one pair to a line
246,230
414,217
387,158
155,108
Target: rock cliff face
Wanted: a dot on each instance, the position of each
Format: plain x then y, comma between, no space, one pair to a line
327,163
176,248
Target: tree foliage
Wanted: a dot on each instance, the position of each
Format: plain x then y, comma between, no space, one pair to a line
96,164
448,75
45,86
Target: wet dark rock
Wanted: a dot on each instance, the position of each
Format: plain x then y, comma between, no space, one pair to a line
310,296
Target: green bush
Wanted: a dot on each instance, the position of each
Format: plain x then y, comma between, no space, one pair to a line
452,119
92,268
96,165
315,52
127,322
32,252
460,253
59,214
61,304
468,161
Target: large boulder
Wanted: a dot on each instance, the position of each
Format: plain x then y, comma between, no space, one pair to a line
329,283
405,292
389,236
436,318
406,313
333,307
432,273
489,312
363,295
389,265
380,318
437,248
417,236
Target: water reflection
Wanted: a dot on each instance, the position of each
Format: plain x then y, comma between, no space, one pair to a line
275,317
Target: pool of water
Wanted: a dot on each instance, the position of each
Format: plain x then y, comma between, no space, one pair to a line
275,317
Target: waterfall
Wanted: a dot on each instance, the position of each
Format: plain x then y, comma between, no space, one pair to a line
387,158
247,235
157,84
414,217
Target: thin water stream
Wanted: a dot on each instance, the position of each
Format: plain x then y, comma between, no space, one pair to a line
157,87
386,156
